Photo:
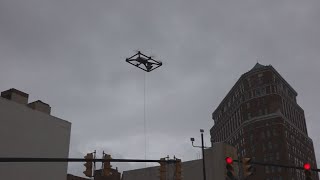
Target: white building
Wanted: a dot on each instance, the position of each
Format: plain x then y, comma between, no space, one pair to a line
192,170
28,130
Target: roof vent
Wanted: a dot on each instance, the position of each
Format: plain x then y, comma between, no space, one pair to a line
40,106
15,95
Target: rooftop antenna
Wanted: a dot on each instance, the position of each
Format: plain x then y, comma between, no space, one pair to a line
258,58
147,64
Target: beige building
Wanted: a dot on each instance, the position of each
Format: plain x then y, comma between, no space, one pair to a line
192,170
28,130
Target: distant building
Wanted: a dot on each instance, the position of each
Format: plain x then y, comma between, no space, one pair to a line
28,130
73,177
191,170
261,118
115,175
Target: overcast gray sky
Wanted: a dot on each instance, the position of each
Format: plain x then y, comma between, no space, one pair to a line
71,55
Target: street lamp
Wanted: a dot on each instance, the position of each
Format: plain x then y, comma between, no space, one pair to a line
202,147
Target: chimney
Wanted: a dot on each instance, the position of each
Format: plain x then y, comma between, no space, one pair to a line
16,96
40,106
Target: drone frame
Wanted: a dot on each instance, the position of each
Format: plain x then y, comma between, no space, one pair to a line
148,59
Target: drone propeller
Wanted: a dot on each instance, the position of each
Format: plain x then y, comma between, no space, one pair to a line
137,51
152,56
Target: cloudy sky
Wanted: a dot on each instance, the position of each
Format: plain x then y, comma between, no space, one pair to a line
71,55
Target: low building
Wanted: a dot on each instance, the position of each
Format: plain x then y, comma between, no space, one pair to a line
191,170
115,175
73,177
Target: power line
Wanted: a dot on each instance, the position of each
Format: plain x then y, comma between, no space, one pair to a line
19,159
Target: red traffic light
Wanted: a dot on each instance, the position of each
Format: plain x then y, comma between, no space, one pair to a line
229,160
307,166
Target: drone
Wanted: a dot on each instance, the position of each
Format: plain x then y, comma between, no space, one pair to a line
144,62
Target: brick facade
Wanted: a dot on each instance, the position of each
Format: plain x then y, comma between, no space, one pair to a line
261,118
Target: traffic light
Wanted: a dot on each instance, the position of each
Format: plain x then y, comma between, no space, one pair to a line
88,165
230,169
247,167
307,171
106,165
178,170
163,169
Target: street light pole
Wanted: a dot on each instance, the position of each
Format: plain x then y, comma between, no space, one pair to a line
203,162
202,147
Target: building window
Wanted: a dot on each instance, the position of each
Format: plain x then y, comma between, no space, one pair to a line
263,91
271,158
263,148
274,131
236,93
257,92
247,95
270,89
267,169
241,88
265,111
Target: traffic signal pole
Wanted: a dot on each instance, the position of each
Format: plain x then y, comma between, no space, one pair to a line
277,165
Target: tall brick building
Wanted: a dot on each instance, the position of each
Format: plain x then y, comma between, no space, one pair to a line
261,118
